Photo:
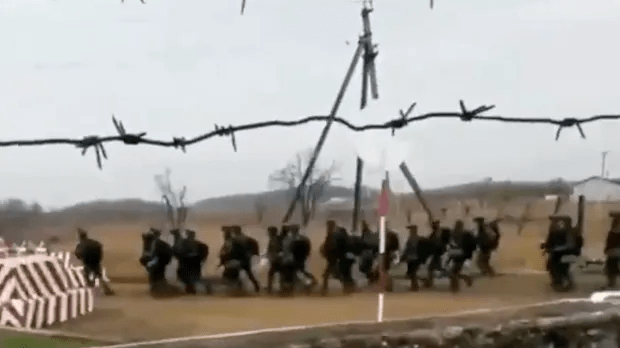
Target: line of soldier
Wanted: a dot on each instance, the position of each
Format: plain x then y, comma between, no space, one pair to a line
444,251
288,251
564,244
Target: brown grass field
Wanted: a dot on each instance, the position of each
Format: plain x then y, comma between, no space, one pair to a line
132,315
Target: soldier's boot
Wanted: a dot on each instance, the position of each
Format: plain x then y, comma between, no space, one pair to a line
484,269
414,283
313,281
270,276
611,281
491,271
430,279
569,284
373,277
468,280
254,281
107,290
455,286
348,286
190,288
325,283
389,283
208,286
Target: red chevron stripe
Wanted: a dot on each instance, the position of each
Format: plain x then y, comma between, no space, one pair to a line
10,286
45,285
66,273
56,277
30,278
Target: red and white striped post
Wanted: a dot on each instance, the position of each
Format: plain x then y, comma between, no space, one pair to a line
382,210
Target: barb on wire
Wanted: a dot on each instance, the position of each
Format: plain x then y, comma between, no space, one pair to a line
242,6
402,121
142,1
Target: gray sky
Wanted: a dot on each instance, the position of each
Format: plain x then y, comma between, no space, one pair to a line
176,67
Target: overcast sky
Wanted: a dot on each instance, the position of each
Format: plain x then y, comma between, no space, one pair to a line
176,67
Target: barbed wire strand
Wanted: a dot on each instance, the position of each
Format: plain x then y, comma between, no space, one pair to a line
398,123
393,125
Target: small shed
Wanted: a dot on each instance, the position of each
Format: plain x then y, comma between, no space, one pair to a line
597,189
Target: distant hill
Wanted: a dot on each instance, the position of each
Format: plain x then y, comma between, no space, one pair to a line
246,202
136,209
107,210
490,190
17,217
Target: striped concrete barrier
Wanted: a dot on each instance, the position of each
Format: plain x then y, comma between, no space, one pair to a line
66,259
30,248
38,291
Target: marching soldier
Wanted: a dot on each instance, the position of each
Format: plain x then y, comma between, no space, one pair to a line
439,239
411,256
301,250
612,250
246,262
274,250
488,240
194,254
563,242
90,252
462,246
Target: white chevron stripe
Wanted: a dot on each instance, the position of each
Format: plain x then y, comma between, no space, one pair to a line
37,279
64,301
27,284
12,285
40,320
52,302
19,306
8,319
79,275
49,278
82,301
57,269
72,278
31,306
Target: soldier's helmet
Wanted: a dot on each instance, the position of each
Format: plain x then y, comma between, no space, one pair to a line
562,221
413,229
82,233
479,220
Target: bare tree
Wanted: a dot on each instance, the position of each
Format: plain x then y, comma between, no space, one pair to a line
260,208
290,176
175,204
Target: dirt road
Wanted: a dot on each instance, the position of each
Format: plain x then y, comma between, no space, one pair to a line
134,316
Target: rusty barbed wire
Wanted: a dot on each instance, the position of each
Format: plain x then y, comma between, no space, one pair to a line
139,138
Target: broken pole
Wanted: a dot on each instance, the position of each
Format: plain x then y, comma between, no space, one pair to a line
321,142
357,193
417,190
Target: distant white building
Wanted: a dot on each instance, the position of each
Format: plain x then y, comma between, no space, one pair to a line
597,189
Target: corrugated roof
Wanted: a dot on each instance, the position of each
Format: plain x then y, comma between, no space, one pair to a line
613,181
